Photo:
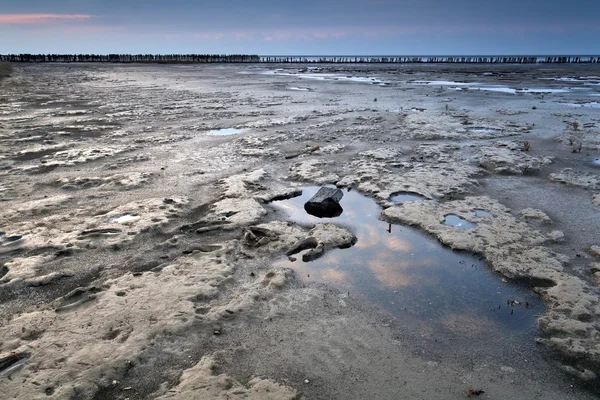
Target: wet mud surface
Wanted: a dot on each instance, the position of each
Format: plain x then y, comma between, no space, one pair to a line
154,241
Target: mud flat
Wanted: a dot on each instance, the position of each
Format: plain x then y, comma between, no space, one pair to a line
154,244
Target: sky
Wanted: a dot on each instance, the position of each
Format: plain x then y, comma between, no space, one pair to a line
301,27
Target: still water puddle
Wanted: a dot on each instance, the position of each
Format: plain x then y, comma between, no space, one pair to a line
480,129
494,88
458,222
591,104
482,213
413,276
226,131
406,196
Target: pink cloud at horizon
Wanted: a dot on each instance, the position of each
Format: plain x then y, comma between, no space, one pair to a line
24,19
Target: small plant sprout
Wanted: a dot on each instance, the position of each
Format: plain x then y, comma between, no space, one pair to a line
575,125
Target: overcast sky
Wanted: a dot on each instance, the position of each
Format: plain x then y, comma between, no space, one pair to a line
307,27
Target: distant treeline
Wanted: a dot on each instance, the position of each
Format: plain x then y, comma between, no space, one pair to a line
246,58
433,59
132,58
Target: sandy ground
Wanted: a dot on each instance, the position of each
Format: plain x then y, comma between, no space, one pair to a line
140,253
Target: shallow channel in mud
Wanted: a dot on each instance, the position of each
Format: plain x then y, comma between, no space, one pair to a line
443,293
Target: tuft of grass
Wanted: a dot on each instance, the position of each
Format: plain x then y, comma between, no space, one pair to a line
5,69
575,125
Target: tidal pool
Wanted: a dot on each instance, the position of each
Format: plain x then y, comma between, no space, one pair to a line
482,213
412,275
481,129
406,196
591,104
458,222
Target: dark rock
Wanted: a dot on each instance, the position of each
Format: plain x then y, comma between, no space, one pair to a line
313,254
13,360
325,203
308,243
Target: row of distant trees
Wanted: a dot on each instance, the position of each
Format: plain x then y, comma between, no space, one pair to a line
434,59
132,58
251,58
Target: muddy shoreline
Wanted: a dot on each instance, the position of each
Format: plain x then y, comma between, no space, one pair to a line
142,254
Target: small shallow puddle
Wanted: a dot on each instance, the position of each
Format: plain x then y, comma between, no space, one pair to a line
591,104
409,273
482,213
482,130
458,222
226,131
406,196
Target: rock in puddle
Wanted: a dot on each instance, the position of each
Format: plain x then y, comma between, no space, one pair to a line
313,254
304,244
325,203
